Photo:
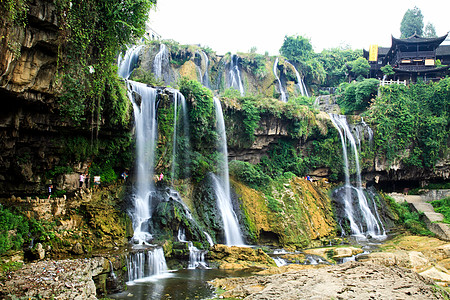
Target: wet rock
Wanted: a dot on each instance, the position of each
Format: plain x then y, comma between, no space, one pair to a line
39,251
239,257
352,280
77,249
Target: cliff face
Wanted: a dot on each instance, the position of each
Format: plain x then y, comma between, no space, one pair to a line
255,71
28,55
28,63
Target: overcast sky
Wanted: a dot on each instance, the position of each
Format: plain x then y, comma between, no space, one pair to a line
238,25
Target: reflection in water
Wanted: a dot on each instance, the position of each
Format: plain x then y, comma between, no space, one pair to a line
182,284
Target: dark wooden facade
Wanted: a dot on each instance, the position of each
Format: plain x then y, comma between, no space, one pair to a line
412,58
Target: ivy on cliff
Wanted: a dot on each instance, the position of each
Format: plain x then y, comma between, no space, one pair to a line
91,35
202,127
412,123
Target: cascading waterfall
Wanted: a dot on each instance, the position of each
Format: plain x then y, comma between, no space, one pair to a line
204,78
235,75
146,134
196,256
209,239
161,60
368,225
181,141
127,62
300,83
233,236
145,264
280,86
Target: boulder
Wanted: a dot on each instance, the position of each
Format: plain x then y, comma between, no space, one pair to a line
239,257
77,249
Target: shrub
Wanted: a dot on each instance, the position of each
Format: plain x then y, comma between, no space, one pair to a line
248,173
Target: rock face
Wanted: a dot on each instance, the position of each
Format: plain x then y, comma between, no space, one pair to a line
347,281
28,67
239,257
63,279
304,214
28,119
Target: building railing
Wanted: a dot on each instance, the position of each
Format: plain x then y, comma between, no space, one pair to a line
389,82
417,54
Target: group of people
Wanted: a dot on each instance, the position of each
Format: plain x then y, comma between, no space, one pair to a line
85,178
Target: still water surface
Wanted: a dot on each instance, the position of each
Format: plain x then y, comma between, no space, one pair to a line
181,284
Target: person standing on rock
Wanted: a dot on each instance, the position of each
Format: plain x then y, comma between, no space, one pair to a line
81,180
50,187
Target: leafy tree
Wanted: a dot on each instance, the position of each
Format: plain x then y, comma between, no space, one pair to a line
429,31
387,70
360,67
357,95
296,48
333,62
412,23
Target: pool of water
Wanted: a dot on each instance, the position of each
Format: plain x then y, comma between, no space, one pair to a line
181,284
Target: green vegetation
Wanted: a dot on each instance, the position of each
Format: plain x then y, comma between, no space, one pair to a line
411,220
412,23
92,33
202,126
335,62
411,123
359,67
17,230
442,206
356,96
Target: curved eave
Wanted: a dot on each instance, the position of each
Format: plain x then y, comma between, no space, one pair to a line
415,39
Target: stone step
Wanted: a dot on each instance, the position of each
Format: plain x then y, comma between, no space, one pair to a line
431,218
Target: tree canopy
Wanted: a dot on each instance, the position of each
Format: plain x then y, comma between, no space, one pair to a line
412,23
296,48
429,31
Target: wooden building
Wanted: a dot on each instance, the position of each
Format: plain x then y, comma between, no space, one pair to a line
411,58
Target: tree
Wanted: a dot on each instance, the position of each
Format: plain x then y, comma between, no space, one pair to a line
412,23
387,70
360,67
429,31
296,48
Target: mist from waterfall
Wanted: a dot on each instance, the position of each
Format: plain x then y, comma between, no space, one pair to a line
233,235
369,225
280,86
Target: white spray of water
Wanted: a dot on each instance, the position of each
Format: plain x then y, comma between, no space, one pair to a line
280,86
233,236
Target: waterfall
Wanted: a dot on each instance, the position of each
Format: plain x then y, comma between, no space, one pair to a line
181,143
146,134
300,83
368,223
209,239
126,63
143,264
196,256
279,261
233,236
235,75
204,78
280,86
161,60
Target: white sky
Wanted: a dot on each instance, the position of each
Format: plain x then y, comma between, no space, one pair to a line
237,25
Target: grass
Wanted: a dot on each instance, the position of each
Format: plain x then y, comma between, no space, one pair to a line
442,206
